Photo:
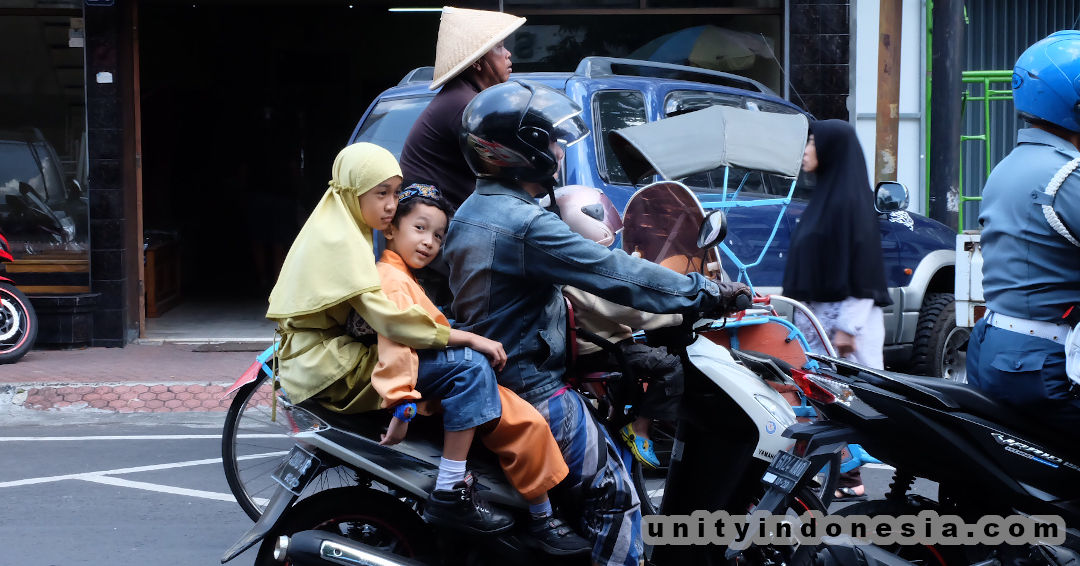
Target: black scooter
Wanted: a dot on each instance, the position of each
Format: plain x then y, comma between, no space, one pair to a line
986,459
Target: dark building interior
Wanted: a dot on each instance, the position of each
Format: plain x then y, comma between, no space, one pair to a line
243,110
245,105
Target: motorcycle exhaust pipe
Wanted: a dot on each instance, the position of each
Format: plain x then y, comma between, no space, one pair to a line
315,548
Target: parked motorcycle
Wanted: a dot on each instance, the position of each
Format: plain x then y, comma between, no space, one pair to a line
986,458
18,321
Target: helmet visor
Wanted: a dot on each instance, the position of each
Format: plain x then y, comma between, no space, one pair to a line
549,106
571,130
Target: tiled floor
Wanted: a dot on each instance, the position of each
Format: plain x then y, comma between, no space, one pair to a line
206,320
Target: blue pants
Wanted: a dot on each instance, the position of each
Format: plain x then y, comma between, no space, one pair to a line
1025,372
465,383
598,481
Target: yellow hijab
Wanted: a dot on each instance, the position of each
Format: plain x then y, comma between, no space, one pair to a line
332,259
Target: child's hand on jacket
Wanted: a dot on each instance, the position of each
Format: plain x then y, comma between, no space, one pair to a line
492,349
395,432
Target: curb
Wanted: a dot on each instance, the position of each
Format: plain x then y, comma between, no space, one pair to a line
119,397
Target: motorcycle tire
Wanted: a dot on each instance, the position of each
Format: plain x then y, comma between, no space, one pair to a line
803,500
930,555
254,440
372,517
18,324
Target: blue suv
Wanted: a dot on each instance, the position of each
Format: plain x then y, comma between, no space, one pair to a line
921,332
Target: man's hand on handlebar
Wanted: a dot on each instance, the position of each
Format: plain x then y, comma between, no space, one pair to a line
734,297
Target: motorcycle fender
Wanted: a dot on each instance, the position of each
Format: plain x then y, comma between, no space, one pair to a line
6,280
275,509
749,392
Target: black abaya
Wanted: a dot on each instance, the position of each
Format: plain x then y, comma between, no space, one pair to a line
835,251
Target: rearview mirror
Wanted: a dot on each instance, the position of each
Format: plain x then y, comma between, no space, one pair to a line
890,196
713,229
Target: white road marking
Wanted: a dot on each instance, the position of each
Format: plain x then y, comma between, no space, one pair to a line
121,482
118,471
136,437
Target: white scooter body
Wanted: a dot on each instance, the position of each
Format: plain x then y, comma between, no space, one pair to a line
769,411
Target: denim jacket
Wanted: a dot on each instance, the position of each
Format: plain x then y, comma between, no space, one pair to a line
508,259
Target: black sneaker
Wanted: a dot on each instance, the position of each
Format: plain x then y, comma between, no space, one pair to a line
461,508
556,537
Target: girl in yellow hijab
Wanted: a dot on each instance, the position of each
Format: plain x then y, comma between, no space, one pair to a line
329,273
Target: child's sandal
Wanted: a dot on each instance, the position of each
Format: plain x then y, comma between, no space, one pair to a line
642,448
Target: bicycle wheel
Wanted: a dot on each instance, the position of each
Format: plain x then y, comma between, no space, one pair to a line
253,442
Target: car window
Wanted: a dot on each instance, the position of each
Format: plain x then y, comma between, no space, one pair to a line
17,165
389,122
683,101
752,182
613,110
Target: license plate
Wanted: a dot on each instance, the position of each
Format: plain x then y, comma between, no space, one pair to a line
785,471
296,470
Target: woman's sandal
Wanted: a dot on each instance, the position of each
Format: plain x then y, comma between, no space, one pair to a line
848,494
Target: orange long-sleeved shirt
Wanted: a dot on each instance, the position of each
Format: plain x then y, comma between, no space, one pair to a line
394,377
522,439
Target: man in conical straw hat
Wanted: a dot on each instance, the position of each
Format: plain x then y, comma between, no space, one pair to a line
469,57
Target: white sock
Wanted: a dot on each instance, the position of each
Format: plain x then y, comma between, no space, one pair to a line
450,473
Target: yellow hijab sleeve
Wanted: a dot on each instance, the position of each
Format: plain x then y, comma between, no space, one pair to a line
332,259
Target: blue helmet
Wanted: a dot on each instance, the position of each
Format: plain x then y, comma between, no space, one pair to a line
1046,80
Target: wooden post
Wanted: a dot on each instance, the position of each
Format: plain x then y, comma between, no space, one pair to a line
888,90
945,107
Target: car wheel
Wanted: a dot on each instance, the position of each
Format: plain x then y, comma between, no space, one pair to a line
940,345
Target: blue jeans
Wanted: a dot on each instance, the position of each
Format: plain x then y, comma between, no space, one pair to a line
1025,372
464,382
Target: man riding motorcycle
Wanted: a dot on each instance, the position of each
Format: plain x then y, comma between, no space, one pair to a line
508,258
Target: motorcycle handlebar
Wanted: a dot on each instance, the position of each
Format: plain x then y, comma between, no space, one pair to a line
742,302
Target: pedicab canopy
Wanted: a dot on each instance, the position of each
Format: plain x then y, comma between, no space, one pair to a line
715,137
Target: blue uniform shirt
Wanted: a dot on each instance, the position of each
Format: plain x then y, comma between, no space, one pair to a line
1029,270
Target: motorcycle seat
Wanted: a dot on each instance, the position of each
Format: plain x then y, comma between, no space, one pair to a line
970,400
419,453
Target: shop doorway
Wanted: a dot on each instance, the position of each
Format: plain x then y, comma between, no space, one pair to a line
244,106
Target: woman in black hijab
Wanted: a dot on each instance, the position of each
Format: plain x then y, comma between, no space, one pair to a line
835,263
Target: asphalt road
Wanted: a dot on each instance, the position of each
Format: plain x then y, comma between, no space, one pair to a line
81,487
103,490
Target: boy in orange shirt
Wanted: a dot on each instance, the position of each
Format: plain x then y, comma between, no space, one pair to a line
521,438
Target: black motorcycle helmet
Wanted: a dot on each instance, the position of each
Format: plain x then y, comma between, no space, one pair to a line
509,131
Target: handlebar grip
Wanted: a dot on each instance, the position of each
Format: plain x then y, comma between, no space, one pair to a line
743,302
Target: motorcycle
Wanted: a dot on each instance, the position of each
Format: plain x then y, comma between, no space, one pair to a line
987,460
18,321
378,515
729,431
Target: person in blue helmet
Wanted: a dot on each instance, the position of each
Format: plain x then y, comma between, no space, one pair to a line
1030,222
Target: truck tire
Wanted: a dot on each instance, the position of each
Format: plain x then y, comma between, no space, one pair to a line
940,348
